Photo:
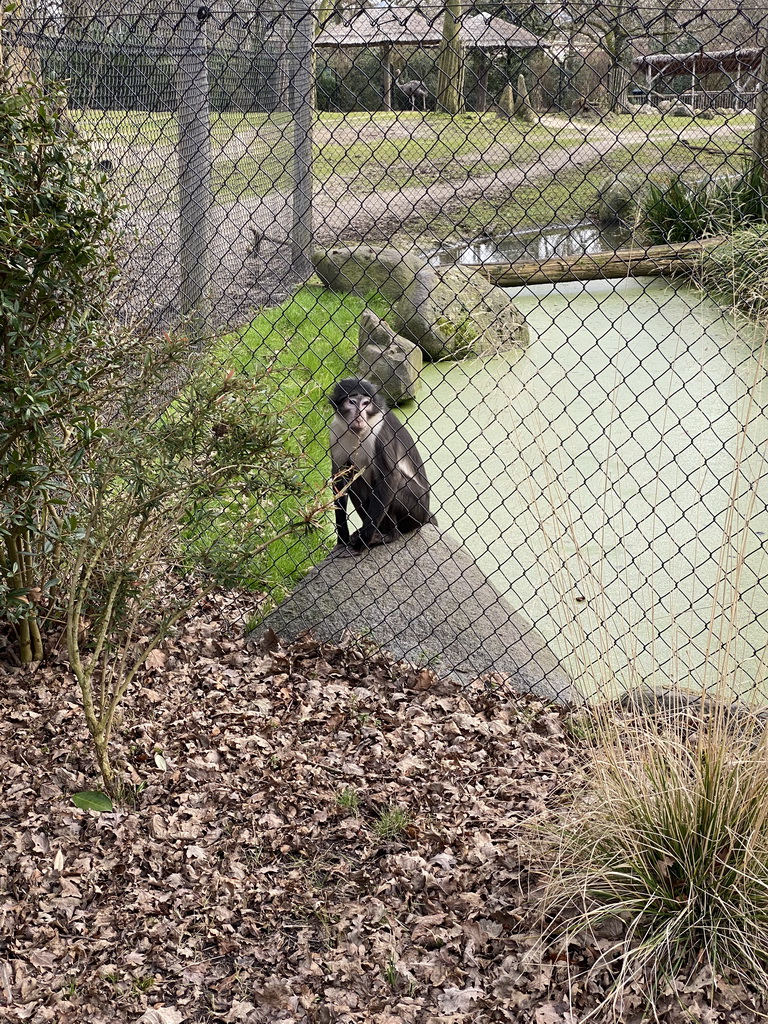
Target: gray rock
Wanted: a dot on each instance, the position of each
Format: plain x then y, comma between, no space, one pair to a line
363,270
459,313
448,315
425,600
681,110
387,359
506,104
522,108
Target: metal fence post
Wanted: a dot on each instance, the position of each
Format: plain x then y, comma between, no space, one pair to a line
303,24
194,156
759,142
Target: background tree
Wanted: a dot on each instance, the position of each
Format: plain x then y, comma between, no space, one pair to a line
450,62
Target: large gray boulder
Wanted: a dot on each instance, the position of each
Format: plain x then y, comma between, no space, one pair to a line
387,359
425,600
449,314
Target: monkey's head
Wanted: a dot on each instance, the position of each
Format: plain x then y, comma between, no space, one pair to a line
359,404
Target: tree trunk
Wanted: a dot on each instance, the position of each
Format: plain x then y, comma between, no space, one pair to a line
618,84
481,92
596,266
450,62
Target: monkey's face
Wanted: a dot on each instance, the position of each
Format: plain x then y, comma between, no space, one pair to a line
360,413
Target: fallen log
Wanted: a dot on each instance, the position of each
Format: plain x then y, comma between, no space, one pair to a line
638,261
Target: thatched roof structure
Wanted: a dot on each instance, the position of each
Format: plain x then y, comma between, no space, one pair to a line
390,27
381,26
402,26
660,65
483,32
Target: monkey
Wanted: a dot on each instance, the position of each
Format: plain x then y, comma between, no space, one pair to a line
374,459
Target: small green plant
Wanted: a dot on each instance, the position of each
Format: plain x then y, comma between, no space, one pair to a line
392,823
348,800
391,975
143,983
428,659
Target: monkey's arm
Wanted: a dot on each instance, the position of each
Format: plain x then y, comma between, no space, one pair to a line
382,495
340,483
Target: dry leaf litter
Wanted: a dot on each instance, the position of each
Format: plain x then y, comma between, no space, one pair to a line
317,835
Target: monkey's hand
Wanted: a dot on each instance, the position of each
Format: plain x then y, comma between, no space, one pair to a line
357,544
344,551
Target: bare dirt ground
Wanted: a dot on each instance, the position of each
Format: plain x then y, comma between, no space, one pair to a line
315,835
248,277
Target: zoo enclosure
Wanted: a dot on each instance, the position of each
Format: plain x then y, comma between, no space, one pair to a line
204,118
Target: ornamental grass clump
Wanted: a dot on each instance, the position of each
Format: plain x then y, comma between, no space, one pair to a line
664,859
679,211
737,271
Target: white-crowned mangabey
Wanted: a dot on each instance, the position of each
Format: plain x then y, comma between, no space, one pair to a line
374,462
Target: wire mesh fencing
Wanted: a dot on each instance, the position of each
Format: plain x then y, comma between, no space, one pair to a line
538,231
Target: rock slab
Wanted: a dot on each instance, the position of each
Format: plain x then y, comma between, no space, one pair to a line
449,315
390,361
425,600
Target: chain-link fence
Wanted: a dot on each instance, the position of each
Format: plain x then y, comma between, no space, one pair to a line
539,229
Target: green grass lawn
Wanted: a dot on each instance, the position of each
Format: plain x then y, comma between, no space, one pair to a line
366,152
308,342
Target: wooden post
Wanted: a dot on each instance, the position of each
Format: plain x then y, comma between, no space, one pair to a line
386,66
302,34
194,158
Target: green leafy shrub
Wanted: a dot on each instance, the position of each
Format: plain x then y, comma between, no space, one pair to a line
146,486
111,478
57,268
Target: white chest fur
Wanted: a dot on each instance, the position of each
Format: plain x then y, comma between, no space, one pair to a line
349,447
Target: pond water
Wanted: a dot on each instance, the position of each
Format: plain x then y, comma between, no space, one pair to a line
536,244
611,480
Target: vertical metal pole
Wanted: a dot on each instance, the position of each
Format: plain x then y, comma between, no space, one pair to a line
303,33
759,143
194,158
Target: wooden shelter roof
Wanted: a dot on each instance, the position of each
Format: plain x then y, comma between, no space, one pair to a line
699,62
483,32
385,26
380,26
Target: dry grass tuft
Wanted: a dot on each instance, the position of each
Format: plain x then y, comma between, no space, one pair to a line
663,858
